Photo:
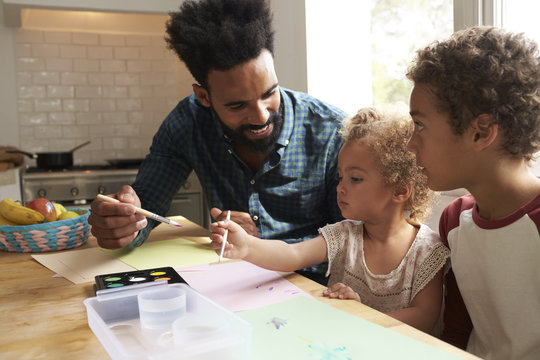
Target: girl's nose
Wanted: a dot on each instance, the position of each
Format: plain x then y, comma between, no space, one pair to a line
411,145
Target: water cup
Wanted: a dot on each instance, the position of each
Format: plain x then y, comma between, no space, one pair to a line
199,328
158,309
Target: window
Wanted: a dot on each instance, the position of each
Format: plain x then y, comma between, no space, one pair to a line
358,51
398,29
522,16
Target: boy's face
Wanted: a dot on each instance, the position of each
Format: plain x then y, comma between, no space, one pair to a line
361,193
441,153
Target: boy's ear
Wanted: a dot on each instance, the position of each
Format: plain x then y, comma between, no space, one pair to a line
201,94
485,131
402,193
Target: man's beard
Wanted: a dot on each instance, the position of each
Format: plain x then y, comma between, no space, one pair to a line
260,146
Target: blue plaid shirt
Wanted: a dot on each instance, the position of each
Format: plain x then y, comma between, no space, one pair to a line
289,198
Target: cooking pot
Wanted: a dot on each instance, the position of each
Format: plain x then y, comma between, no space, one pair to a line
52,160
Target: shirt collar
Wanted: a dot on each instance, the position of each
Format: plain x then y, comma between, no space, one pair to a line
287,112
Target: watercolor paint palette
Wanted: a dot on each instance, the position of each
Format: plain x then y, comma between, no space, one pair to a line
123,279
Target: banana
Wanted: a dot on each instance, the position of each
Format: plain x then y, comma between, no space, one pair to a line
60,209
4,221
15,212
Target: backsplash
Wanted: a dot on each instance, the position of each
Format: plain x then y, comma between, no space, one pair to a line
112,89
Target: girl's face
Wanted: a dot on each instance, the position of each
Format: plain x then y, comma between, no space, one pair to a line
361,192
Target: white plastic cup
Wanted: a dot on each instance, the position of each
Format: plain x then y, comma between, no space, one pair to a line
158,309
198,328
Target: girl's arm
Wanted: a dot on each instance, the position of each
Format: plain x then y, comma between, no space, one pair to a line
425,308
270,254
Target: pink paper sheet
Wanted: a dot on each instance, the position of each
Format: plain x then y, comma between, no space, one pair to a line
240,285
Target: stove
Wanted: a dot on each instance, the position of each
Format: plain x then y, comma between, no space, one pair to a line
77,186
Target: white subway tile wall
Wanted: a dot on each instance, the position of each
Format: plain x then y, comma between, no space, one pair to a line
114,90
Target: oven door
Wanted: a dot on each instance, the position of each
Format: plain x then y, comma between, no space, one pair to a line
190,206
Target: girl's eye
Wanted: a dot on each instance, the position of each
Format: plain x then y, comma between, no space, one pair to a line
339,178
419,126
356,179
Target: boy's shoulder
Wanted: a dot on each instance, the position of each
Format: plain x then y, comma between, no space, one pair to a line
451,214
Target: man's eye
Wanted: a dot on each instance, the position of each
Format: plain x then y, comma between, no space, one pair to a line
236,107
419,126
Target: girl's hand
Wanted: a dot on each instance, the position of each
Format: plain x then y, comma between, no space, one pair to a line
341,291
241,218
237,239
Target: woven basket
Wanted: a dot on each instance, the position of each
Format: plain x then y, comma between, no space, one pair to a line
49,236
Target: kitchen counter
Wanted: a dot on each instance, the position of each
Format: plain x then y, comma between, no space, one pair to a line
43,317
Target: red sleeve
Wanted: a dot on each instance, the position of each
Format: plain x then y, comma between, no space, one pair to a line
457,323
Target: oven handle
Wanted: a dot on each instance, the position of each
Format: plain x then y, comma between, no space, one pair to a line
181,199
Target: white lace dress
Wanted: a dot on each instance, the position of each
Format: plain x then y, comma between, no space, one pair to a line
389,292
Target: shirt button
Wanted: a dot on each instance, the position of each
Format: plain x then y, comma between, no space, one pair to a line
252,182
255,218
286,142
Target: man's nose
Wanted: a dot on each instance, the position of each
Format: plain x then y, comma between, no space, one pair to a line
260,115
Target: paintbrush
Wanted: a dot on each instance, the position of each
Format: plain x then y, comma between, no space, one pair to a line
138,210
224,238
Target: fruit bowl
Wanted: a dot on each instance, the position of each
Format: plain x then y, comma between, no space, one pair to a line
48,236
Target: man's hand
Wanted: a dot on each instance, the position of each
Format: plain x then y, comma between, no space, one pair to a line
341,291
116,225
241,218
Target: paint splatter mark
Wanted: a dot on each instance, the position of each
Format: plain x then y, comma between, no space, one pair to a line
292,292
325,352
264,285
277,322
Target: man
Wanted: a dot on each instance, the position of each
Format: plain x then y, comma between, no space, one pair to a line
263,152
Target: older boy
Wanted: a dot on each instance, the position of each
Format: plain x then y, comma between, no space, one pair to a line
476,109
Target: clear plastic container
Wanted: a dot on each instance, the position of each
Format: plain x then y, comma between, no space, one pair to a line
206,331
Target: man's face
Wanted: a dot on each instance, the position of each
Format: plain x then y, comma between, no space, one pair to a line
246,99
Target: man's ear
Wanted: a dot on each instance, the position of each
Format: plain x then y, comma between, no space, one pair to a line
402,193
485,131
201,94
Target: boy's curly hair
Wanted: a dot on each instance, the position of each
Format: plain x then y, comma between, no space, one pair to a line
387,132
486,70
219,34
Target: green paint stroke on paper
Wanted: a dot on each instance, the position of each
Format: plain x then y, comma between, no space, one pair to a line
310,323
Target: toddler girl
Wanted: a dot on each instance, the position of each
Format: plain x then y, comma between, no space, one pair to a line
380,255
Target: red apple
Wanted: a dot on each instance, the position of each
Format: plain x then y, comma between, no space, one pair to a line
45,207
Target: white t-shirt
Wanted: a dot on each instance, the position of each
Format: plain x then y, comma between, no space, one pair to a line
389,292
497,269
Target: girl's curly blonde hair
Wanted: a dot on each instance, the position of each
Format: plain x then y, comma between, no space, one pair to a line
387,132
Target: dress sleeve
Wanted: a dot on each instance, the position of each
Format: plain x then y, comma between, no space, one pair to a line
436,260
333,235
